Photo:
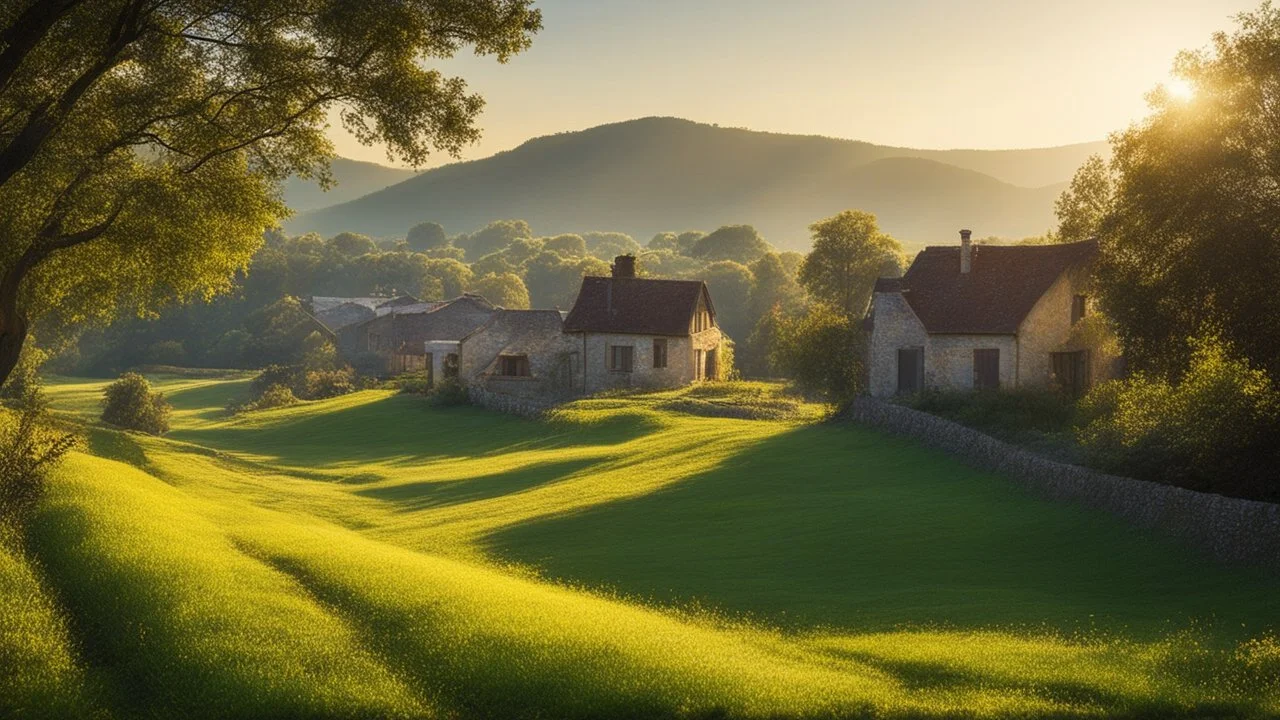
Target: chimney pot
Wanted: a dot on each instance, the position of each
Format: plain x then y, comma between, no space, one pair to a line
624,266
966,251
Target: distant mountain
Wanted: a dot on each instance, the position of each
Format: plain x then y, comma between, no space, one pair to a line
354,179
654,174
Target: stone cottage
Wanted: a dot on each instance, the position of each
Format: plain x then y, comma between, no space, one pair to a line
404,336
522,353
643,332
983,317
339,312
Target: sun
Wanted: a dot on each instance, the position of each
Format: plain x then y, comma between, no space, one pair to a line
1180,89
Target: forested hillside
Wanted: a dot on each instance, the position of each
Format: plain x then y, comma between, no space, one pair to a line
654,174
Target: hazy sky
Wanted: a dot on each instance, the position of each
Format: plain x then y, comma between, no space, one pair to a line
918,73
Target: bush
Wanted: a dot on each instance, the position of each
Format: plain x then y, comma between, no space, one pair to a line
129,403
273,376
29,447
450,393
23,384
823,351
275,396
320,384
1214,430
415,384
1041,420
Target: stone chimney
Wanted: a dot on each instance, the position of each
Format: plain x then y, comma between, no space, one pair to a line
966,251
624,266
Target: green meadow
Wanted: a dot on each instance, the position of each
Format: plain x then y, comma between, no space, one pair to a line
374,555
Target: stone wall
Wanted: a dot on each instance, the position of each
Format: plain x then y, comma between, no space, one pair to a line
1229,529
894,326
948,360
680,360
511,404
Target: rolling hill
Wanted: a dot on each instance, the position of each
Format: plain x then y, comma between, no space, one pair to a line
353,179
653,174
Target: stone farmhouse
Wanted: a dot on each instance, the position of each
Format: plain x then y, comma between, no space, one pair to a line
622,332
336,313
416,336
984,317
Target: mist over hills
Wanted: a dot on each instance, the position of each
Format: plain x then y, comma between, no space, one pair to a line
653,174
354,179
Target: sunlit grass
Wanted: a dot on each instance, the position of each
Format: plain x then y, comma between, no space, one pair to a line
371,556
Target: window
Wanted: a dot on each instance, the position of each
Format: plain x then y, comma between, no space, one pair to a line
659,352
451,365
513,365
910,370
1079,308
697,364
986,369
620,358
1071,370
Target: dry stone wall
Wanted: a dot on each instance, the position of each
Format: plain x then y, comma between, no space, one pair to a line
1229,529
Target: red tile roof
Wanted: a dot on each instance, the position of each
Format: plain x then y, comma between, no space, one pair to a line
1002,286
638,306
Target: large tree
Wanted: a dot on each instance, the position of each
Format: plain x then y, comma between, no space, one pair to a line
1192,246
142,141
849,253
1084,205
736,243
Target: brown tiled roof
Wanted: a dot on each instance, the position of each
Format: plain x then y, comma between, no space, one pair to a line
348,313
1003,284
639,306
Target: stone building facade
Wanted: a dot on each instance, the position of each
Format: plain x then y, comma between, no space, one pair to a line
985,317
521,353
635,332
399,336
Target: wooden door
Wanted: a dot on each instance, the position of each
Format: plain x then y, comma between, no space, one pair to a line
986,369
910,370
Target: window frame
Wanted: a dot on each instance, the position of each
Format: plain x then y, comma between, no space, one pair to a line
621,358
1079,308
518,363
659,353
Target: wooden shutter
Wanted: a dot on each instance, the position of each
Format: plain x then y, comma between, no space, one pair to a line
1079,306
910,370
986,369
659,352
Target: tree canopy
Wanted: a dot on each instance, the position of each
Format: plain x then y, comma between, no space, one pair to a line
426,236
737,243
141,142
506,290
849,253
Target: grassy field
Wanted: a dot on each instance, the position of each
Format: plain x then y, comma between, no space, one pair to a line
374,556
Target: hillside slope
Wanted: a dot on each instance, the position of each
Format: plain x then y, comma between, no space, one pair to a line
351,558
654,174
353,179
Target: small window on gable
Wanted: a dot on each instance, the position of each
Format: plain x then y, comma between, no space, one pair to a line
1079,308
659,352
513,365
621,357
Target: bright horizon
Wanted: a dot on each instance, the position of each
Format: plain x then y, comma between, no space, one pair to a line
977,74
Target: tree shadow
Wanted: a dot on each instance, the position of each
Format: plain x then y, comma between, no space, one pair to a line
405,429
411,497
835,525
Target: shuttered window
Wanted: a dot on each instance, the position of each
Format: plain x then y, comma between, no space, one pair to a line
621,358
1071,370
659,352
986,369
910,370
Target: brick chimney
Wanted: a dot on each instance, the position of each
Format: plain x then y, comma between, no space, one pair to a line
624,266
966,251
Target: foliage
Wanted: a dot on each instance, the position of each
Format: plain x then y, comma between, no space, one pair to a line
143,141
129,403
567,245
30,445
772,286
608,245
276,396
553,281
665,241
495,237
823,351
1193,244
1214,429
730,286
450,392
688,240
1041,420
1085,204
167,352
320,384
849,253
453,275
352,244
506,290
414,383
318,352
23,384
426,236
735,243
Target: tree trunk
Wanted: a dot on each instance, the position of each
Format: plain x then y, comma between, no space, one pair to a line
13,321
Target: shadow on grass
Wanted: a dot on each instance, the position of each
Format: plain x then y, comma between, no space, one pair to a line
210,400
407,430
841,526
415,496
115,445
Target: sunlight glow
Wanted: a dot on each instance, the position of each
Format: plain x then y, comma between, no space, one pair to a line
1180,89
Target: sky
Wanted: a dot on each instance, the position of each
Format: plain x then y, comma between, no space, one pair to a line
914,73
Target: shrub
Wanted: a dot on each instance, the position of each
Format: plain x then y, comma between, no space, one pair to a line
274,397
319,384
1214,429
450,393
823,351
416,384
23,384
29,447
129,403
